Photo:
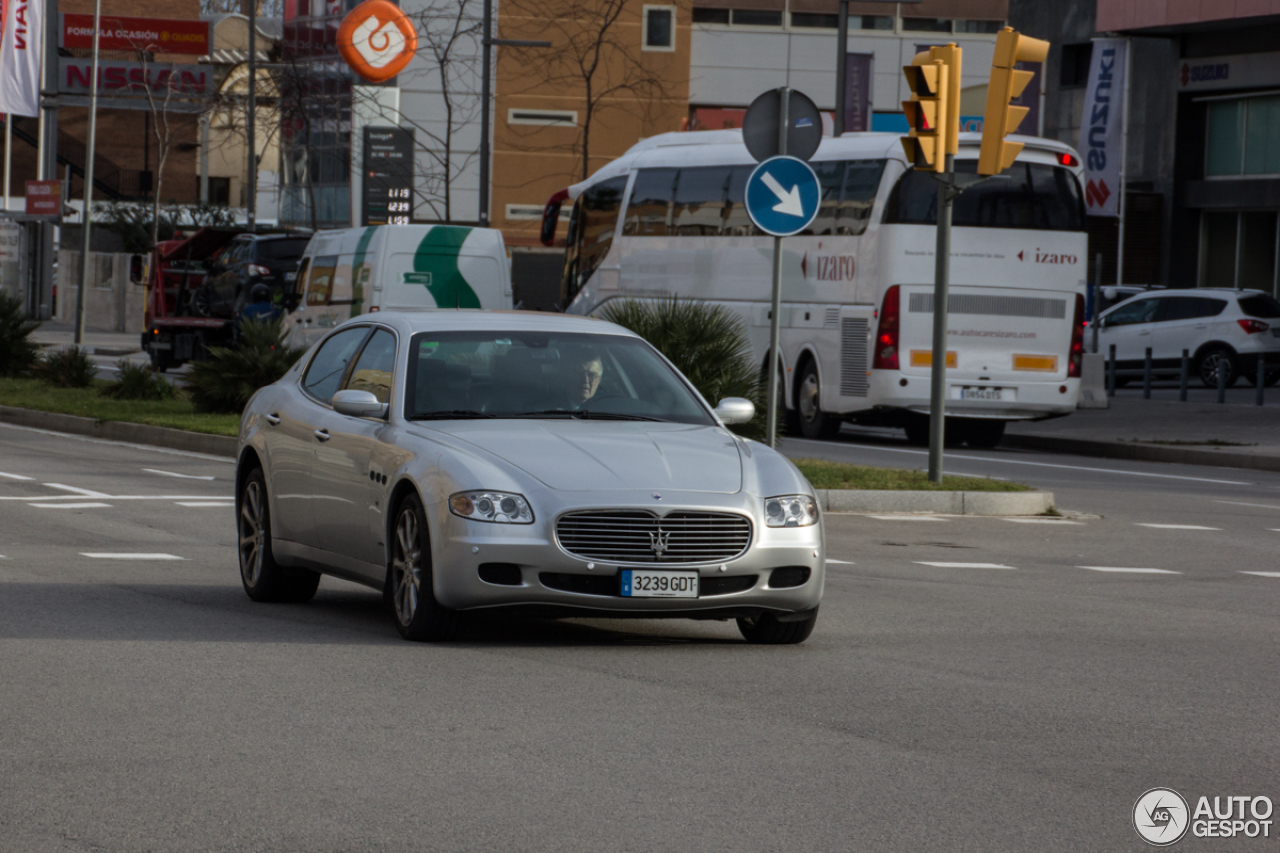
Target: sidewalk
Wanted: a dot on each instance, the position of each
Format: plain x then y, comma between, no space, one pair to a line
1237,434
97,341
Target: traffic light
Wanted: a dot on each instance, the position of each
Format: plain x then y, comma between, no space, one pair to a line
1006,83
926,144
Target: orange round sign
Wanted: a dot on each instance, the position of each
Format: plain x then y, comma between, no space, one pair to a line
377,40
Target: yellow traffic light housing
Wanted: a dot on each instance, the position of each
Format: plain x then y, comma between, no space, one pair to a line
1006,83
926,112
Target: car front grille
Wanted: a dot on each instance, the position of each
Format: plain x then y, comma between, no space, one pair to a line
636,536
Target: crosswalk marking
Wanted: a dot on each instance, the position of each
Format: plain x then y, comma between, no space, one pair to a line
1177,526
92,505
104,555
964,565
1128,571
1263,574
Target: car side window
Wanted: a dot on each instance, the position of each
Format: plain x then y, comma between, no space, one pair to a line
375,366
325,373
1142,311
1190,307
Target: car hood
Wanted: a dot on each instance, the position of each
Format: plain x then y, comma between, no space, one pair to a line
572,455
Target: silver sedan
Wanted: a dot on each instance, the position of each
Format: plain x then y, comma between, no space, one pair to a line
556,466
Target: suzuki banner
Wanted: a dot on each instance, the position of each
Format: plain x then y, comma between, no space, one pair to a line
1102,128
20,49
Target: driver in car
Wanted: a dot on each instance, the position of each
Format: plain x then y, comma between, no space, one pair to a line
580,374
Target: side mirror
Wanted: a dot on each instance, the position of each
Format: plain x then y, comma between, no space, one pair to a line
735,410
358,404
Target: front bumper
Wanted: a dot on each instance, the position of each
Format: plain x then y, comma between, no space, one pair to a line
555,582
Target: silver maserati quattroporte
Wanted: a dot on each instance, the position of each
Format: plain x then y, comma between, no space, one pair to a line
557,466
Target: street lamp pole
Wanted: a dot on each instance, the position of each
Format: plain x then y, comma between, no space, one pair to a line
86,218
251,202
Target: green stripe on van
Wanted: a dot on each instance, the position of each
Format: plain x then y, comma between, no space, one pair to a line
437,255
360,272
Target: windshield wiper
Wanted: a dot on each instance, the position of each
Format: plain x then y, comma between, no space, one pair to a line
612,416
452,414
583,414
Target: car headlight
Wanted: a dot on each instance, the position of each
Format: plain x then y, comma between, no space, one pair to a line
790,511
500,507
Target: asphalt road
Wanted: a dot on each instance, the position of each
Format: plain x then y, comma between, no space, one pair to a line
969,685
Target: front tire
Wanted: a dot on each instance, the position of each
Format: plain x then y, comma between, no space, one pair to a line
815,424
419,617
264,579
766,630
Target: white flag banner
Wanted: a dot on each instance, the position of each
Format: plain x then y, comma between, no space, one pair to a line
20,50
1101,128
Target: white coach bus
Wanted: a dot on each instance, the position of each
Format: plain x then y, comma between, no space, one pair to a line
667,218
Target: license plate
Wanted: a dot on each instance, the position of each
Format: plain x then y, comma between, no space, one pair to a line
291,276
645,584
971,392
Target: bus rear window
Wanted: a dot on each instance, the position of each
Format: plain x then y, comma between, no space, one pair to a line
1026,195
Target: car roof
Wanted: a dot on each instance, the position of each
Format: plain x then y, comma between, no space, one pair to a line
471,319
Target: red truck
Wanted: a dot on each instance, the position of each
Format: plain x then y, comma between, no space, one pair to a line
175,331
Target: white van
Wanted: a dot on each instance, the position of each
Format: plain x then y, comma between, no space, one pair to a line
353,271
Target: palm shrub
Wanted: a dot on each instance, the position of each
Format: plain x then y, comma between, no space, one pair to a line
138,382
65,368
707,343
17,350
231,375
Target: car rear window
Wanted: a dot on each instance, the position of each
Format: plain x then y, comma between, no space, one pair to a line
282,250
1260,305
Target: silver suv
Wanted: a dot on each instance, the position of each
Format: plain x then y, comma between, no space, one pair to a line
1215,326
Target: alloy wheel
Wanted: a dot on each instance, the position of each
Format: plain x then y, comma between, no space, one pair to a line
406,566
252,533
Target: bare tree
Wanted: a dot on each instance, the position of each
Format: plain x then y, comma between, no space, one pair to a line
595,57
165,125
266,8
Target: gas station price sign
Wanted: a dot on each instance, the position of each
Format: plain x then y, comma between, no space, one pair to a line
388,176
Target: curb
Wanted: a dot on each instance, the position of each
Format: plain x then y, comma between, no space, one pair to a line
1145,452
175,439
941,503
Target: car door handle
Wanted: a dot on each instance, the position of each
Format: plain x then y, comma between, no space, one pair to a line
1145,332
273,419
1205,326
322,434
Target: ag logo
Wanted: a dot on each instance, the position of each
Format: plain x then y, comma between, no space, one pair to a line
377,40
1161,817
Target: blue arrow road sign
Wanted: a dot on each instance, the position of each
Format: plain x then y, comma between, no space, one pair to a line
783,196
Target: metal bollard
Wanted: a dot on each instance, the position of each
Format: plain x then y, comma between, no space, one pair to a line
1186,373
1223,367
1111,372
1258,382
1146,376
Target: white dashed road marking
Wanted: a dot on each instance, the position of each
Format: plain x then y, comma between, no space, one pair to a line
1263,574
1125,571
85,493
1177,526
906,518
964,565
15,476
207,503
71,506
841,562
172,474
1058,521
1242,503
110,556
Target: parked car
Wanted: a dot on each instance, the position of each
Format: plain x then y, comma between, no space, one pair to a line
559,466
249,259
1232,328
353,271
1112,294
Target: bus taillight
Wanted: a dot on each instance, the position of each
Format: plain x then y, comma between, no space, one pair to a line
886,351
1077,339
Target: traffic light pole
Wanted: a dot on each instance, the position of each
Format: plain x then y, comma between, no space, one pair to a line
947,192
775,350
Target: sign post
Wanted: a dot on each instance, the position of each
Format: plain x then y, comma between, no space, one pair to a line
782,196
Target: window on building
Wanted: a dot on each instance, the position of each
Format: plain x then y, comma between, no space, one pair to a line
1075,65
969,26
1238,249
871,22
703,15
219,191
809,20
546,118
756,18
659,28
1243,137
926,25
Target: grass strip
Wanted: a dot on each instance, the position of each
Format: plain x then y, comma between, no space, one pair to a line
88,403
839,475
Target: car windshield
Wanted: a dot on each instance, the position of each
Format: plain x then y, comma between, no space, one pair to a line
282,250
522,374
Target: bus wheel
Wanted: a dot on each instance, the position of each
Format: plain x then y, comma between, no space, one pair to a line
814,423
977,432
